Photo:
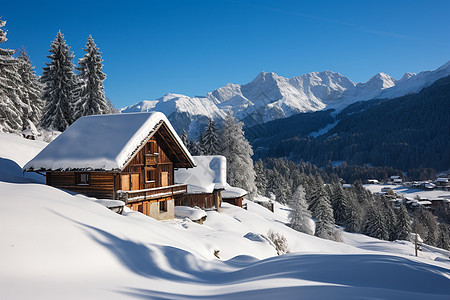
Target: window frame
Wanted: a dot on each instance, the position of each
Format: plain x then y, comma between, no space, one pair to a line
79,178
163,207
153,172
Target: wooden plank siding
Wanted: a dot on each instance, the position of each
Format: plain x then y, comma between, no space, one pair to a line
202,200
101,184
150,157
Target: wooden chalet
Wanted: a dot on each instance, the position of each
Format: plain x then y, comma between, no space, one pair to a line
233,195
205,182
129,157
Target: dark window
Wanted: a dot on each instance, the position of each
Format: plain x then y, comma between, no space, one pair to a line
162,206
150,174
152,147
83,178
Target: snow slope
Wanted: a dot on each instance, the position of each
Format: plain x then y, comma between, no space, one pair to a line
270,96
56,245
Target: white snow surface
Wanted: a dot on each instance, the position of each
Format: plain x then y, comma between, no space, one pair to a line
192,213
233,192
56,245
270,96
100,142
209,173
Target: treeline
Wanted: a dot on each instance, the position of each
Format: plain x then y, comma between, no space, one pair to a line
355,208
405,133
57,98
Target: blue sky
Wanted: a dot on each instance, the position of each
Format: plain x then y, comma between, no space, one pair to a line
151,48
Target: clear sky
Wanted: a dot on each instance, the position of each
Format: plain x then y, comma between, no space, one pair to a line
151,48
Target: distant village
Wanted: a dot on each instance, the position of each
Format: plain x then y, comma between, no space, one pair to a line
398,191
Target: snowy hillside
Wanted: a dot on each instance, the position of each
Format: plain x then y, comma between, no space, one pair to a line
56,245
270,96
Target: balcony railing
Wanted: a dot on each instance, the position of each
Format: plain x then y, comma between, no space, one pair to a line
151,194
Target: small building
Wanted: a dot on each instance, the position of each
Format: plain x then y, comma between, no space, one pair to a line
233,195
207,184
204,182
442,181
372,181
346,185
129,157
396,179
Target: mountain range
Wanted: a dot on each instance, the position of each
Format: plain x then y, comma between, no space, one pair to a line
269,97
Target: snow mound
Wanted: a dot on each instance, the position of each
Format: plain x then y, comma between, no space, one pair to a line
192,213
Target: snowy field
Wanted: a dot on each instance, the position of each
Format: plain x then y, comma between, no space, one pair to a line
56,245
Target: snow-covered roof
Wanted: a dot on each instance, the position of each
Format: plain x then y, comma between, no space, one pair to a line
233,192
209,174
442,179
105,142
395,177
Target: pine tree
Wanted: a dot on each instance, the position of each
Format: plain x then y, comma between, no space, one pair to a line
184,138
92,99
427,221
300,215
261,179
403,228
32,90
323,215
209,140
11,106
193,148
390,219
374,224
345,210
60,86
444,236
239,153
281,188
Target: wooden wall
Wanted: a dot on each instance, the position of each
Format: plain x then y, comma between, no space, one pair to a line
150,157
203,200
235,201
101,184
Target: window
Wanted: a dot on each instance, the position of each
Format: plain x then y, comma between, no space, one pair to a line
162,206
150,174
152,147
83,178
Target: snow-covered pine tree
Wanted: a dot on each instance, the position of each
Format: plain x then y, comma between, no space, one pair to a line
209,140
300,215
11,106
374,224
390,219
430,225
193,148
281,188
443,240
184,138
261,179
237,150
323,215
60,86
32,89
92,99
317,190
403,228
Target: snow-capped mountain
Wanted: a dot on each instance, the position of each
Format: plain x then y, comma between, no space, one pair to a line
270,96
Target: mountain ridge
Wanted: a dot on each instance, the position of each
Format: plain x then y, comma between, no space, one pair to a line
270,96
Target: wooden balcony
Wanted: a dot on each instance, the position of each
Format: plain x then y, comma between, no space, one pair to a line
151,194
